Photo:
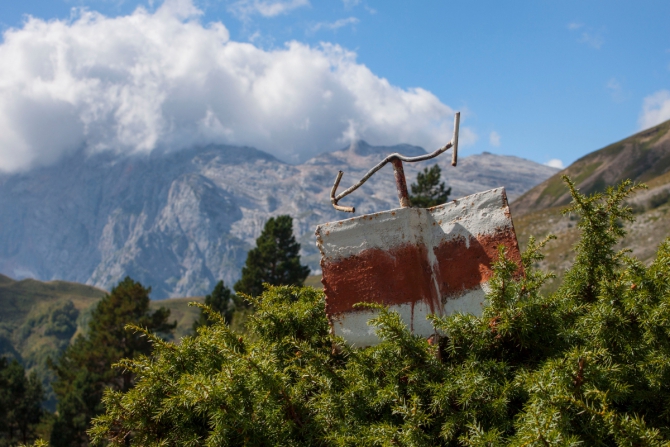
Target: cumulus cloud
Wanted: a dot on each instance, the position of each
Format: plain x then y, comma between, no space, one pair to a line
494,139
655,109
163,80
555,163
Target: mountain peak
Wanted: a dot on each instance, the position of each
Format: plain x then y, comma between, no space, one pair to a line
363,149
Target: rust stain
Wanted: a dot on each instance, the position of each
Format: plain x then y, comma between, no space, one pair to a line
397,276
461,267
403,274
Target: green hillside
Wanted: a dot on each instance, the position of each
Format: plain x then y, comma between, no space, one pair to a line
41,316
180,311
39,319
314,281
643,157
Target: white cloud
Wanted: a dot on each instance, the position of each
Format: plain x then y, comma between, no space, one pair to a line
494,139
163,80
555,163
335,25
588,36
615,89
593,40
267,8
655,109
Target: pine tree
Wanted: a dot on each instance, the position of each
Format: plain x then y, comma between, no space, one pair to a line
275,260
428,190
85,369
220,301
586,365
21,398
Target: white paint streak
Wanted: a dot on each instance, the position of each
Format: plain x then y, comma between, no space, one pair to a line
478,214
354,327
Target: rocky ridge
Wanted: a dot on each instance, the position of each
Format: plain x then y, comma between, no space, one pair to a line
179,221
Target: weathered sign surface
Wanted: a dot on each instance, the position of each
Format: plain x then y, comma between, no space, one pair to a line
416,261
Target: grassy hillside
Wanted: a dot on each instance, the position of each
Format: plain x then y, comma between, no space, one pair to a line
38,316
314,281
643,157
39,319
180,311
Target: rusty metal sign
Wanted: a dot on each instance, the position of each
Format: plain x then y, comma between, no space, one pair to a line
416,261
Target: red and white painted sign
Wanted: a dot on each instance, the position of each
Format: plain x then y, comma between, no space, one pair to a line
416,261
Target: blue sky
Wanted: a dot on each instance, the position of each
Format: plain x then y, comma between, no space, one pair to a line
541,80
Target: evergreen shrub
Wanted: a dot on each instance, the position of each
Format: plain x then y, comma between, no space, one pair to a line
586,365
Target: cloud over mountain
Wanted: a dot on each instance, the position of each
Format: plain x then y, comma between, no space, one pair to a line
162,79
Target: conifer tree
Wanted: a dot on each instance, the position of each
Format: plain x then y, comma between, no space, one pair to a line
428,190
275,260
586,365
221,301
85,370
21,398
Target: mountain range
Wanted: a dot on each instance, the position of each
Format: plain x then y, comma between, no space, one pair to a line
180,221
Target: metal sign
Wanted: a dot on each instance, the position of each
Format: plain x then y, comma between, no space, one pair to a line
416,261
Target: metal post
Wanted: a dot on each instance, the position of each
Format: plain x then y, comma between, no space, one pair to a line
401,183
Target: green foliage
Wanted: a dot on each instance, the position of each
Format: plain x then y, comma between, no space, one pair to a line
37,443
62,321
20,403
428,190
84,370
274,261
221,301
586,365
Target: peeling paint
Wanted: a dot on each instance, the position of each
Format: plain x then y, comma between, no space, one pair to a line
416,261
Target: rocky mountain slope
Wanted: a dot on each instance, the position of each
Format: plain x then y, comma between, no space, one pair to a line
643,157
179,221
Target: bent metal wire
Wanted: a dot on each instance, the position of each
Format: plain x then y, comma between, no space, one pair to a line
395,159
